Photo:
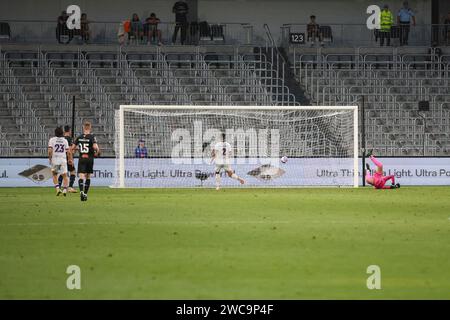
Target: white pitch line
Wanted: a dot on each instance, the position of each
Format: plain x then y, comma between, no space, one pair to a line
87,223
37,224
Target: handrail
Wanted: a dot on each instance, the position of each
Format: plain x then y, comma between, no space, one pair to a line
354,34
105,32
279,63
273,44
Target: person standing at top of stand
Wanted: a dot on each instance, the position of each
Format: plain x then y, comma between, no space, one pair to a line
180,8
404,18
386,21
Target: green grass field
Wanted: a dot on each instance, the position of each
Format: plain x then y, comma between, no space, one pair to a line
232,244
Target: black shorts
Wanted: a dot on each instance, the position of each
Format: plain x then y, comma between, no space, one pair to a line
85,166
70,168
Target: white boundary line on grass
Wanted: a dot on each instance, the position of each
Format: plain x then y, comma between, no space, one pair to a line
197,222
37,224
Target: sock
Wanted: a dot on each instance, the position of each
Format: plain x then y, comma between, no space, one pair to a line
72,180
60,180
81,184
86,185
217,180
376,162
392,178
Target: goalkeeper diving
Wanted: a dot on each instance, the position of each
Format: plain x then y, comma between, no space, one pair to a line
221,155
377,180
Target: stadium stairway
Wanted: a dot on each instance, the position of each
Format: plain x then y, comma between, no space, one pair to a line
292,82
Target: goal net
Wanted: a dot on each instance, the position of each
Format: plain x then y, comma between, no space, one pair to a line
170,146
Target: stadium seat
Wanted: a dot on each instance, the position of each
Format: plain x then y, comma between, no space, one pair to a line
327,33
5,31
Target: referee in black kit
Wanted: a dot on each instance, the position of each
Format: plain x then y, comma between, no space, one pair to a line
180,8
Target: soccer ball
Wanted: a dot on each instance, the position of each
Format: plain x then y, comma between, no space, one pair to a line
284,159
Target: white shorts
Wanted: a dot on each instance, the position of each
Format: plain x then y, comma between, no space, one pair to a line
59,168
219,167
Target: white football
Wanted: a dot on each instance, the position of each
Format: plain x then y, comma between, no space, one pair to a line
284,159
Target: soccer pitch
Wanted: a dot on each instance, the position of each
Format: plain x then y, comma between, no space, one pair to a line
231,244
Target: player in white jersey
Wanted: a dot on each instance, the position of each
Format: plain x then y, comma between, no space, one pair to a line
59,155
221,154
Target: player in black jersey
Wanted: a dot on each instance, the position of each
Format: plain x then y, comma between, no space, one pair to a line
70,166
87,146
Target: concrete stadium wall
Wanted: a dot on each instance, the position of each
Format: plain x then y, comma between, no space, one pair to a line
277,13
295,11
444,8
274,12
100,10
256,12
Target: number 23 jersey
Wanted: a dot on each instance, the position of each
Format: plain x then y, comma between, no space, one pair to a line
59,145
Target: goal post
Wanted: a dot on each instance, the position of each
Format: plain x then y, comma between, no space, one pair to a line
170,146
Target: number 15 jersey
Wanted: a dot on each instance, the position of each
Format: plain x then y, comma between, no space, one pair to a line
85,144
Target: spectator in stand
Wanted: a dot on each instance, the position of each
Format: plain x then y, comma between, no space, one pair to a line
123,32
404,18
386,22
136,28
313,31
61,28
85,32
141,150
151,29
180,8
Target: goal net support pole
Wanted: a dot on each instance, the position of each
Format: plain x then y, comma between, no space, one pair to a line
121,171
320,143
